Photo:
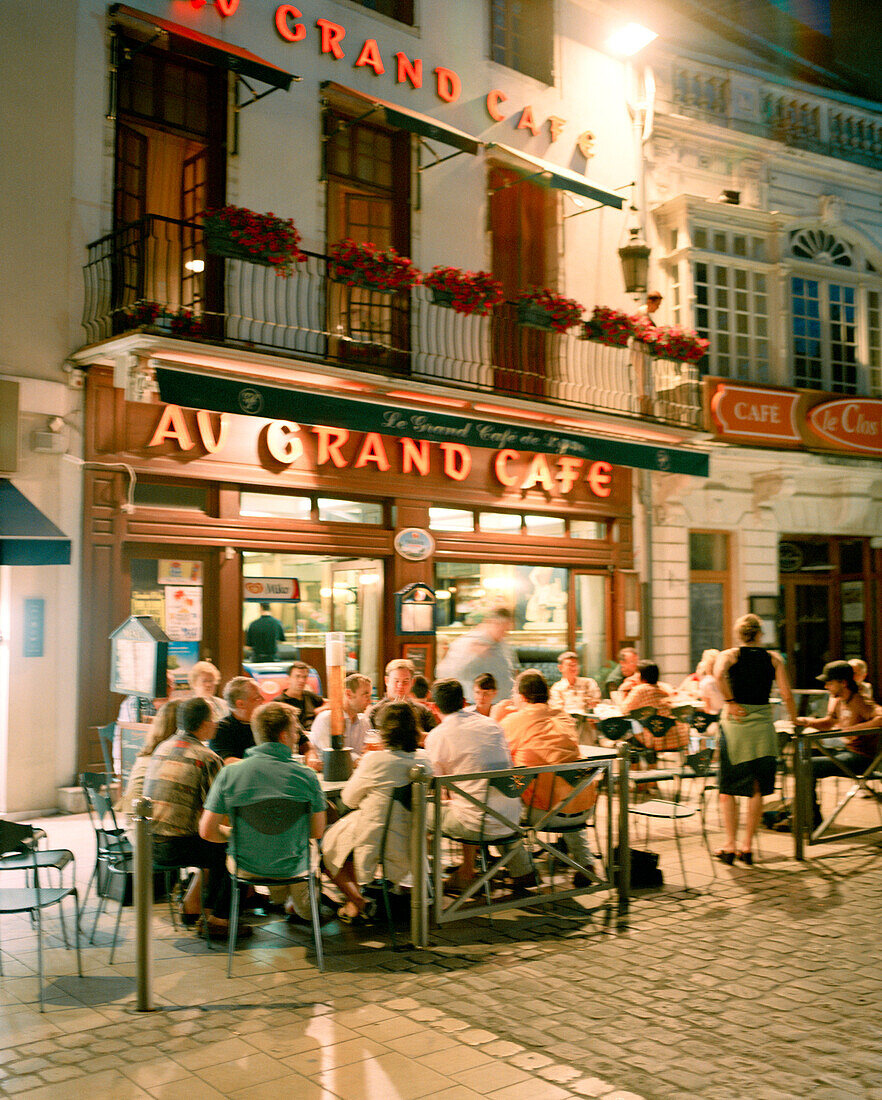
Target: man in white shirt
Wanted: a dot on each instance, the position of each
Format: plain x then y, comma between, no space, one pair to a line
356,700
465,742
576,695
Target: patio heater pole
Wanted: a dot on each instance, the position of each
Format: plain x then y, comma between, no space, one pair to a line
419,909
142,895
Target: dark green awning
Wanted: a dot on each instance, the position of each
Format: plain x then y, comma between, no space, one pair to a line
199,391
204,47
562,179
27,537
404,119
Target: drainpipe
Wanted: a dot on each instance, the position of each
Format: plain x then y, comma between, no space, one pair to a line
645,497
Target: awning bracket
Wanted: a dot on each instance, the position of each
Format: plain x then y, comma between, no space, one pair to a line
597,206
255,95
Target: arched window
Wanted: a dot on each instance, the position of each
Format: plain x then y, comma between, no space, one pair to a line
834,303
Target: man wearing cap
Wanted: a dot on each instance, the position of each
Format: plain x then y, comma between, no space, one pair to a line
641,362
848,710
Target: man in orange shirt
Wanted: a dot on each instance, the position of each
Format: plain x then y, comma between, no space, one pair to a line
537,735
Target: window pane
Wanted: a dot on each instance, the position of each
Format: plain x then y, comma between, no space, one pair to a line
500,523
699,237
591,625
587,529
451,519
275,504
546,526
190,497
708,551
349,511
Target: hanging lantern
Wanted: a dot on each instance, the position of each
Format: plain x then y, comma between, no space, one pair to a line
635,263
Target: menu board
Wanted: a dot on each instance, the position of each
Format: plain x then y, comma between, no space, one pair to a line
138,658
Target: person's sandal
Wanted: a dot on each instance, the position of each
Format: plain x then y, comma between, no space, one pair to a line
356,920
745,857
725,856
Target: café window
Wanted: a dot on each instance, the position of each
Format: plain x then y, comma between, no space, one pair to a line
708,592
451,519
307,508
522,36
187,497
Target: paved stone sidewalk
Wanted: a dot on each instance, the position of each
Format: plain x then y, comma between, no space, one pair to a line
759,983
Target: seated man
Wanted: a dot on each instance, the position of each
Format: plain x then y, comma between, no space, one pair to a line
847,709
624,676
306,703
178,778
268,771
233,735
464,742
484,693
399,684
538,735
573,692
356,700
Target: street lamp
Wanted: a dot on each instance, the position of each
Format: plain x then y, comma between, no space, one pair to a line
635,262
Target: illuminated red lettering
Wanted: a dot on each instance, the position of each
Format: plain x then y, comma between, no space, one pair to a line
600,478
172,425
538,474
290,30
282,441
226,7
526,122
210,442
330,440
568,468
449,84
500,467
370,56
457,461
494,98
372,450
409,70
332,35
415,456
555,126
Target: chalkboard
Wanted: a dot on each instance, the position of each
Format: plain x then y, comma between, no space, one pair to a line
705,618
131,737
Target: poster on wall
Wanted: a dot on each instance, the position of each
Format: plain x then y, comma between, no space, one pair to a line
150,603
183,613
173,571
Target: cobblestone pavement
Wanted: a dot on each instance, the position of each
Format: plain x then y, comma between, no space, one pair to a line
759,982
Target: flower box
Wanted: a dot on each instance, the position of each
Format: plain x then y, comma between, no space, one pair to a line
662,342
464,291
239,234
609,326
545,309
367,266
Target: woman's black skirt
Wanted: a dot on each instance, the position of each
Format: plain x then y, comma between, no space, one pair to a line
740,779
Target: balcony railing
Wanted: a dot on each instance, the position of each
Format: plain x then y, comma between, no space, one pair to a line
309,317
819,124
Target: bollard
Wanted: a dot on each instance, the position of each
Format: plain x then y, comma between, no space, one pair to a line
798,818
419,912
142,894
623,880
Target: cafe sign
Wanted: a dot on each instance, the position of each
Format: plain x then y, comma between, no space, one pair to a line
806,419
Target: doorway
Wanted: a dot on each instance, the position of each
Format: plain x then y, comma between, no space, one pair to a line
331,593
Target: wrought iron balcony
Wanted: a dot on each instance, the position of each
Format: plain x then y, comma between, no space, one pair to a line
155,272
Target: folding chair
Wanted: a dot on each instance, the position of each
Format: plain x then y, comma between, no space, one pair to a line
401,796
18,845
271,817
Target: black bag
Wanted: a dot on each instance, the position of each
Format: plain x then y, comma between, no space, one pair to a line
645,873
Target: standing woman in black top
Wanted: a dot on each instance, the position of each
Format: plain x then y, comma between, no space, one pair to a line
749,742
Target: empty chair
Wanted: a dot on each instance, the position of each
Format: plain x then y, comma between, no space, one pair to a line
18,842
114,852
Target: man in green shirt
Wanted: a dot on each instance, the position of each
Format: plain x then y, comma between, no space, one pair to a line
268,771
264,634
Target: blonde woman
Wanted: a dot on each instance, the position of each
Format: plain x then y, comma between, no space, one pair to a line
749,741
162,727
204,678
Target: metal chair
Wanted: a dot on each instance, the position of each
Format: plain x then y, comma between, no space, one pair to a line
271,817
676,809
106,735
109,835
115,854
614,728
18,842
401,796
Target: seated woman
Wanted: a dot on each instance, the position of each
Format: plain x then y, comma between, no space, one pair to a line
162,727
351,846
650,693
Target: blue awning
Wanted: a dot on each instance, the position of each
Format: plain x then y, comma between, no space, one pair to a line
27,537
